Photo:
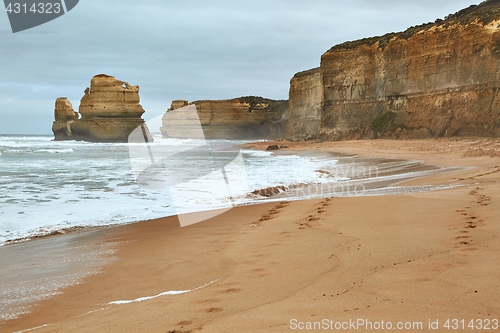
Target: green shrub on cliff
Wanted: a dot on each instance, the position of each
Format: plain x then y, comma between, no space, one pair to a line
384,122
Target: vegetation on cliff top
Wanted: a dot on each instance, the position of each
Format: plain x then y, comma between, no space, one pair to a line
485,12
307,72
256,103
275,106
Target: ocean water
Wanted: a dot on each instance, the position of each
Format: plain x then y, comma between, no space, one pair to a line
47,185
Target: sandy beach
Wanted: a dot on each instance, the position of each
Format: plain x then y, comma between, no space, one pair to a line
416,261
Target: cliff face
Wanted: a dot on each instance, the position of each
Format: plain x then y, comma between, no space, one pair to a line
110,111
305,102
239,118
442,81
438,79
64,116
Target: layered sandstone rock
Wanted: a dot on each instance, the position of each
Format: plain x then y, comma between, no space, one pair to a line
64,116
108,97
239,118
437,79
305,102
110,111
440,79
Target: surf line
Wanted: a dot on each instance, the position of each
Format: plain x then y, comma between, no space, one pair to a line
32,329
166,293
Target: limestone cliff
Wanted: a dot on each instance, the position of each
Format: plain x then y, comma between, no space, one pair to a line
305,98
239,118
110,111
64,116
439,79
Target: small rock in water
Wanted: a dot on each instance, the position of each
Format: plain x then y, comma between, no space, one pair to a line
273,147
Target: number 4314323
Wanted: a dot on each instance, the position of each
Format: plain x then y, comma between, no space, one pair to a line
474,324
36,8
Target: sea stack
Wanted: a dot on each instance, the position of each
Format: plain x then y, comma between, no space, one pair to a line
64,116
110,111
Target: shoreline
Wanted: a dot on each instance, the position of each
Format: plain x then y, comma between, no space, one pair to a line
421,249
294,191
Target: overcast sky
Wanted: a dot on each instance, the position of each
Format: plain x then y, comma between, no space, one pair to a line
184,49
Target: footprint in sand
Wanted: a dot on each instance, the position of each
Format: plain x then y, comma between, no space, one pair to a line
259,272
465,241
273,212
462,237
303,225
282,205
208,301
211,310
484,200
265,218
231,290
469,249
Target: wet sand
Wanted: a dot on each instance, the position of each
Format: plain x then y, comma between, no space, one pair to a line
414,257
37,270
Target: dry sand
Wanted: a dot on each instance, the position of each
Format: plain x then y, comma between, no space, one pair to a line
278,266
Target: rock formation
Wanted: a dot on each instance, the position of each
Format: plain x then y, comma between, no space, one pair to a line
64,116
239,118
110,111
305,97
437,79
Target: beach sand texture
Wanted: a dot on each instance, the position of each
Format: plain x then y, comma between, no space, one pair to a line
264,268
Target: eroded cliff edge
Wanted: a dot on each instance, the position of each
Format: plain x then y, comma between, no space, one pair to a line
247,117
305,102
437,79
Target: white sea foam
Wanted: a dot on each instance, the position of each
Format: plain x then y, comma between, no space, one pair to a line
32,329
166,293
50,185
47,185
